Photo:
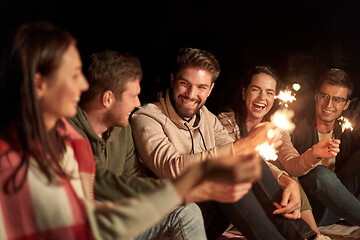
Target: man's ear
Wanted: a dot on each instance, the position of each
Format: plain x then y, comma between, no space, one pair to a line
172,80
211,88
316,96
107,99
346,105
40,85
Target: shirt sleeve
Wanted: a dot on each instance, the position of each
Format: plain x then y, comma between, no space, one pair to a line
130,217
296,165
111,186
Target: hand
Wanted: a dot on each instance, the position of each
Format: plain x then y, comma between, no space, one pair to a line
224,180
225,193
257,136
231,170
326,148
291,198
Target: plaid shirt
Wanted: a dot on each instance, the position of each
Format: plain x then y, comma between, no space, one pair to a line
227,119
40,210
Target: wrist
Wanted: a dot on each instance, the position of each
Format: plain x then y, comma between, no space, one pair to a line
315,154
285,181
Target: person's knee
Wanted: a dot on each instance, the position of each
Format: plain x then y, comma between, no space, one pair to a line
318,179
189,213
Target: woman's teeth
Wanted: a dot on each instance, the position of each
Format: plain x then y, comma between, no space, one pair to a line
259,105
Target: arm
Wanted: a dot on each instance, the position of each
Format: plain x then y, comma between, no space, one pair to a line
159,150
111,186
297,165
128,218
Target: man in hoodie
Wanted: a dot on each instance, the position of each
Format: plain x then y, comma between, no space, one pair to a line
103,119
176,132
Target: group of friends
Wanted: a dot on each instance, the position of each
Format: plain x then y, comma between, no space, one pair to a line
72,167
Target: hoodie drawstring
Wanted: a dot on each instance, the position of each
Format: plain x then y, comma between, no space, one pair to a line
202,137
192,140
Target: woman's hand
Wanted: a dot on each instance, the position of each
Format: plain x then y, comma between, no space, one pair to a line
291,198
326,148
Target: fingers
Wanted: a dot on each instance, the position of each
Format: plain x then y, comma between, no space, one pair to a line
228,194
294,215
285,198
283,211
327,148
231,172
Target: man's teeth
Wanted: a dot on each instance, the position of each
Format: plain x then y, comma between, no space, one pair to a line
189,102
327,111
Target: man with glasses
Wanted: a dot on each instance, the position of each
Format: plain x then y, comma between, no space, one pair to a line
332,183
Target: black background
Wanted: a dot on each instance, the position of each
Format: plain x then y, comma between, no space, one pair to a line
298,38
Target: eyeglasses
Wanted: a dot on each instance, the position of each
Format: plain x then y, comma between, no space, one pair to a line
326,98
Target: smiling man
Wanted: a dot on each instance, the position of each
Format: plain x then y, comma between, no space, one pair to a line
332,184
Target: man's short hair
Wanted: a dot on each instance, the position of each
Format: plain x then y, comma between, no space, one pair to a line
110,71
197,58
335,76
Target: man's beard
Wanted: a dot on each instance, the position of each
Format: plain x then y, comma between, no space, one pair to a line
184,112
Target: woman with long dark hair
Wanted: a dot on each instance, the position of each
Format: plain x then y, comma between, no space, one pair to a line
254,105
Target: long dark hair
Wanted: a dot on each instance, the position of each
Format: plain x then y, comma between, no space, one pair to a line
239,106
36,48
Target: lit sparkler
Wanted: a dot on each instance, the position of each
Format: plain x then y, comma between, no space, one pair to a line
267,151
282,119
285,97
345,124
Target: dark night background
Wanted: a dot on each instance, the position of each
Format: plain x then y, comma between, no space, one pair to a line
298,38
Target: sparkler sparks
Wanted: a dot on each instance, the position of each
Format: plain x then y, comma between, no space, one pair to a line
285,97
282,119
267,152
345,124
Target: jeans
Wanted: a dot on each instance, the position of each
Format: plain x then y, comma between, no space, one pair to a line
253,214
184,222
333,196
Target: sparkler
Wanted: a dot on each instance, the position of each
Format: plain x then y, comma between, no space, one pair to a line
267,151
282,119
345,124
285,97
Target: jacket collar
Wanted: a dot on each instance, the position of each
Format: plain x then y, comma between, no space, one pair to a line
312,121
